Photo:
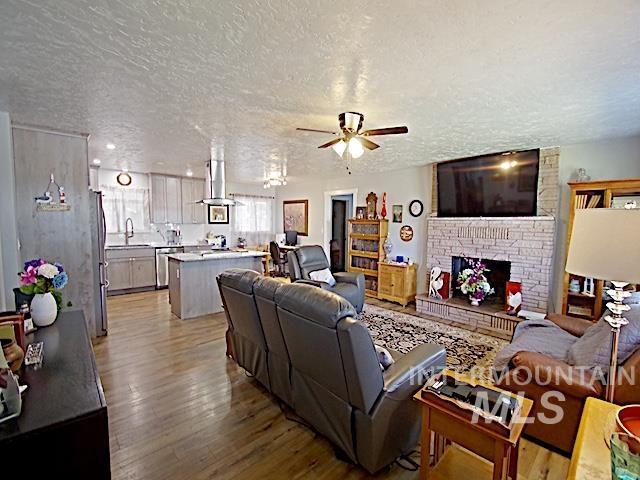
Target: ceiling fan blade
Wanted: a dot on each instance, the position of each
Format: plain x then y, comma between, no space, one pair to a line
328,144
368,143
316,131
385,131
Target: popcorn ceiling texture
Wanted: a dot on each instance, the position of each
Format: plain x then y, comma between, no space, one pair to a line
466,76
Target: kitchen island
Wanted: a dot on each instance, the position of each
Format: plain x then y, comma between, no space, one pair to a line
193,290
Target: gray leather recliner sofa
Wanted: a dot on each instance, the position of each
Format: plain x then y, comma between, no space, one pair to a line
310,258
321,361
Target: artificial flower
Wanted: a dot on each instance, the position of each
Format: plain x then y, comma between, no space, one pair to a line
60,280
28,277
35,263
59,267
47,270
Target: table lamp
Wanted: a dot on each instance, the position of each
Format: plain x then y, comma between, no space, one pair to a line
605,244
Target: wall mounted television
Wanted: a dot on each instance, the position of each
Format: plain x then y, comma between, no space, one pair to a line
495,185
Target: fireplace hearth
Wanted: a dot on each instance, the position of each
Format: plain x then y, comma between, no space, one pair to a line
498,275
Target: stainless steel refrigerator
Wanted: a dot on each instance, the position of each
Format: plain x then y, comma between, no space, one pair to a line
100,271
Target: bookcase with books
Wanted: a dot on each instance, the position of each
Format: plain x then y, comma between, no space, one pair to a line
583,297
366,238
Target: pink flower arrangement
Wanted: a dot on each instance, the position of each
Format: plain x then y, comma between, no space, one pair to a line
40,276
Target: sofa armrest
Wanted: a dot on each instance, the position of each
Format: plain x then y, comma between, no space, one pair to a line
410,372
545,371
350,277
575,326
315,283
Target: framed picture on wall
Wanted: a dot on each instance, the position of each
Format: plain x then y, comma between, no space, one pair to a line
397,213
295,216
218,214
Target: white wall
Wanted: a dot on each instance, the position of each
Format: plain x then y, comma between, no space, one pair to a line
603,160
402,186
190,232
8,229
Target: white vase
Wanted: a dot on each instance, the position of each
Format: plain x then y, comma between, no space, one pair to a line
474,301
44,309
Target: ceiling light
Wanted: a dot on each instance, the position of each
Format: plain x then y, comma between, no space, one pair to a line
505,165
111,146
189,173
339,147
513,163
96,161
355,148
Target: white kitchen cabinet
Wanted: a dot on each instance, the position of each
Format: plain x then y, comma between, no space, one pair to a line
193,190
129,268
166,199
143,272
174,200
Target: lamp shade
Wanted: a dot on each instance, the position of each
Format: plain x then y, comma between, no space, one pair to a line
605,244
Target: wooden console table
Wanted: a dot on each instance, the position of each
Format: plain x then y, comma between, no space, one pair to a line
62,431
450,423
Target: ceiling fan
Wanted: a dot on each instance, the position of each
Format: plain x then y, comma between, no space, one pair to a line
351,138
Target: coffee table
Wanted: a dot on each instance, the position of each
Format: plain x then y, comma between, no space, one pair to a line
451,423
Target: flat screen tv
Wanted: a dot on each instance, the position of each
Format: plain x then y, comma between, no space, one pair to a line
496,185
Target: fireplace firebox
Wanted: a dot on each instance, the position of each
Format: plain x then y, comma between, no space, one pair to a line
498,275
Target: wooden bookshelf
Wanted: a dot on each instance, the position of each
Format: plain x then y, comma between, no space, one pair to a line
592,194
365,251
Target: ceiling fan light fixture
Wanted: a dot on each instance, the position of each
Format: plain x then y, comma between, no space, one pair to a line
339,147
355,148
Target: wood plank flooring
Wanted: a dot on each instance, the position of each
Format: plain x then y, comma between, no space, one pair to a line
179,409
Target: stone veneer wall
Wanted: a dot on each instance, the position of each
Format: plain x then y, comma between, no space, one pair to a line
548,183
526,242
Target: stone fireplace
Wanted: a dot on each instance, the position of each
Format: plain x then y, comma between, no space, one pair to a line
517,249
499,273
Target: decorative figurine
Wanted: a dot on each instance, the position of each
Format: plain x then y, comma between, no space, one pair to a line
383,210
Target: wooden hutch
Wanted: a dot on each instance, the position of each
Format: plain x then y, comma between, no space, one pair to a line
593,194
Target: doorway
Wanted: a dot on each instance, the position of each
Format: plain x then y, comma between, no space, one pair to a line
341,208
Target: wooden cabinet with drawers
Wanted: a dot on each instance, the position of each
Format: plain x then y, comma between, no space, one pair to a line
397,283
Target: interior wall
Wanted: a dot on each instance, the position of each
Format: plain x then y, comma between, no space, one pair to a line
603,160
8,228
402,186
64,237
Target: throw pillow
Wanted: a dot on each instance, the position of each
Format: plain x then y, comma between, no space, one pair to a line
384,357
323,275
593,349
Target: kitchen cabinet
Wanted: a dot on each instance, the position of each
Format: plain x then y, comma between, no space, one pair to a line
397,283
193,190
166,199
131,268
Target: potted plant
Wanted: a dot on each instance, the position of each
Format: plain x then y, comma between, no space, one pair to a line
43,280
473,282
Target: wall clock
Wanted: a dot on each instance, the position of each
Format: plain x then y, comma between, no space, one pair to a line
416,208
406,233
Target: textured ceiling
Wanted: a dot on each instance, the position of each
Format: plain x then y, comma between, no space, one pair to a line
466,77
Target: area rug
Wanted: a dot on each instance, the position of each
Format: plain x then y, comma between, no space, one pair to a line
467,352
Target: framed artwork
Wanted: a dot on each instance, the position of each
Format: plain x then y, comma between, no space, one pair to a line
295,216
218,214
361,213
396,213
513,302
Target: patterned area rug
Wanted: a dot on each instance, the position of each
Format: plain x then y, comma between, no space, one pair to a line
467,352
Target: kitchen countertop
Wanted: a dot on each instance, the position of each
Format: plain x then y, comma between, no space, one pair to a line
220,255
154,245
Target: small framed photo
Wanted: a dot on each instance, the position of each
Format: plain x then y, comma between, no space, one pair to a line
218,214
361,212
397,213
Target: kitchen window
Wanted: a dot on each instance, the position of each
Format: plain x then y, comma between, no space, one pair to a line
121,203
253,218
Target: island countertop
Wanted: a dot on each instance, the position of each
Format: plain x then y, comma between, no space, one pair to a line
213,255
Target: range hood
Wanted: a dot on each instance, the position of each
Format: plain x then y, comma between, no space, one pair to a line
216,182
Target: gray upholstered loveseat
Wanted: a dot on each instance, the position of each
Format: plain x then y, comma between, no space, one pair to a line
305,346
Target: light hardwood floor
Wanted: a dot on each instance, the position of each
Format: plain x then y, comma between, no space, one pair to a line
179,409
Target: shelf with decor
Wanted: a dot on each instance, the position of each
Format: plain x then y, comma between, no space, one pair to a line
593,194
366,238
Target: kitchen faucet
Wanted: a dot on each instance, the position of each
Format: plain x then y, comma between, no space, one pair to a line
128,233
